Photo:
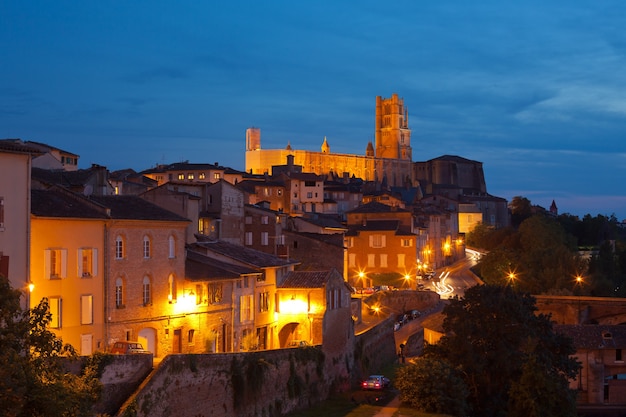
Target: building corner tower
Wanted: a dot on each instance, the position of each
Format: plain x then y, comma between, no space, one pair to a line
392,133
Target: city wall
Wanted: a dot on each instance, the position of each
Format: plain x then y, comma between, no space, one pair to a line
267,383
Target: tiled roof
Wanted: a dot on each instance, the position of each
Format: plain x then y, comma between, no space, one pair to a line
199,267
245,255
323,221
454,158
47,148
17,146
56,202
62,177
594,336
335,239
129,207
376,207
306,279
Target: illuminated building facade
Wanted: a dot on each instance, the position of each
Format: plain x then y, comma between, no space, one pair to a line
389,159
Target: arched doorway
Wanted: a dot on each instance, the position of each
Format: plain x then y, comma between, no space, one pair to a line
147,337
291,332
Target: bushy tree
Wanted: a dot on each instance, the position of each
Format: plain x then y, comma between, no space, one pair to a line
33,381
432,386
502,349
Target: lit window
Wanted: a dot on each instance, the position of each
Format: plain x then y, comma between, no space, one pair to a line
146,291
217,175
279,192
55,304
190,176
215,293
146,247
55,263
264,302
266,191
201,176
199,294
119,247
86,309
181,176
87,262
119,293
171,283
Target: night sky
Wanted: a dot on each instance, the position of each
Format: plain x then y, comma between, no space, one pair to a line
535,90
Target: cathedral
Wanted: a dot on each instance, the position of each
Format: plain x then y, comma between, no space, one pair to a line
388,161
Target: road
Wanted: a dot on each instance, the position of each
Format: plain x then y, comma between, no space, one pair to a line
456,278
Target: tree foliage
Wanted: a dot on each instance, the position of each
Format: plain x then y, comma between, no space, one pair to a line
33,381
433,386
510,359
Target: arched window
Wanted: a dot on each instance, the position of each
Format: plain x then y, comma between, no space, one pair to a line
119,293
146,247
119,247
146,290
171,281
172,247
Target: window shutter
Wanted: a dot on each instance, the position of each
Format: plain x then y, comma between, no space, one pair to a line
383,241
94,262
80,263
63,263
46,264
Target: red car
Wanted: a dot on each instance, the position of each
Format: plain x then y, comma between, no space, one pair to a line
376,382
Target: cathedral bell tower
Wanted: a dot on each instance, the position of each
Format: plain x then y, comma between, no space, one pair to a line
392,135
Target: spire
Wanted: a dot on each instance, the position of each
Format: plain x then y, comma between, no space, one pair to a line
325,146
369,151
288,146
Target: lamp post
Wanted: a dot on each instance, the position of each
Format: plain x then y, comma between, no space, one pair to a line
579,283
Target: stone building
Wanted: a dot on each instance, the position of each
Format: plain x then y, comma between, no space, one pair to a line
389,159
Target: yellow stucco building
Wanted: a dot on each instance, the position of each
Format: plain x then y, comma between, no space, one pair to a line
388,159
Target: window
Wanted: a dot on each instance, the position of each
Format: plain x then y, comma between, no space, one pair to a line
1,213
172,247
215,293
309,195
199,294
201,176
245,308
171,289
119,293
86,309
266,191
119,247
265,219
334,299
190,336
56,311
146,247
217,175
407,243
190,176
146,291
377,241
350,242
279,192
246,282
401,258
55,266
264,302
383,260
87,262
264,238
309,183
371,260
618,355
352,260
181,176
248,238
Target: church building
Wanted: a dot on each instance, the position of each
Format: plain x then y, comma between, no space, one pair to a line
389,160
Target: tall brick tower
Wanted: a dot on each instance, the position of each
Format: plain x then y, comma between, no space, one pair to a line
392,136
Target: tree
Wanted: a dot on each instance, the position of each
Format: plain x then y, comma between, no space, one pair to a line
33,381
433,386
521,209
504,352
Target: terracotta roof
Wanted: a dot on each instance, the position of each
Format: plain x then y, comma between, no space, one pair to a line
130,207
199,267
245,255
335,239
306,279
47,148
376,207
62,177
594,336
57,202
17,146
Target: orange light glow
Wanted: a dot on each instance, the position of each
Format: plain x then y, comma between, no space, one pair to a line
294,306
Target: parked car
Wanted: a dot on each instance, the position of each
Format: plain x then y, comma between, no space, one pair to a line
126,348
376,382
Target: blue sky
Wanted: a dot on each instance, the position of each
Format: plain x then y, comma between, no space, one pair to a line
533,89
